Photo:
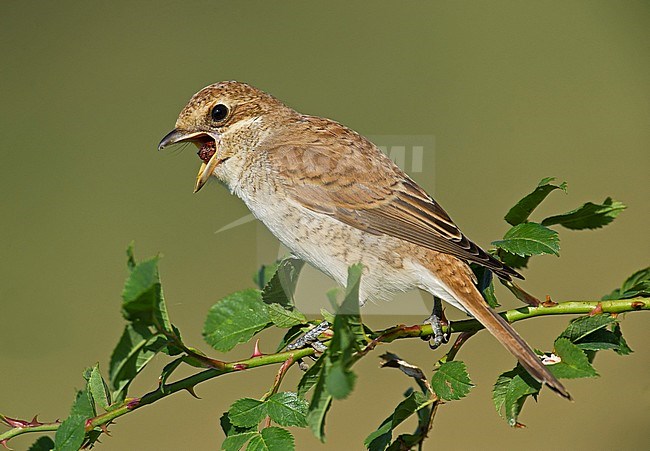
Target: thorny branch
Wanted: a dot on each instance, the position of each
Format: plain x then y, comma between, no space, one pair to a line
465,327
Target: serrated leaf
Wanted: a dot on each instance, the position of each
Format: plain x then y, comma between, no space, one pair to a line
272,439
451,381
512,260
70,435
522,210
623,348
588,216
574,364
282,286
585,325
511,390
347,322
600,340
240,435
279,291
321,402
379,439
596,333
137,346
530,238
348,338
311,376
340,380
98,389
235,319
284,317
264,274
247,412
236,441
42,444
638,284
142,296
288,409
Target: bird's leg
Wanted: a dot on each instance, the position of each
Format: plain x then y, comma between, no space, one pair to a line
310,338
437,320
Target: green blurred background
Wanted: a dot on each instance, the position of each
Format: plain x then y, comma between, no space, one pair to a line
511,91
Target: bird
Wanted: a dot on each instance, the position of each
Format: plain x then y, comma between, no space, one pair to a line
334,199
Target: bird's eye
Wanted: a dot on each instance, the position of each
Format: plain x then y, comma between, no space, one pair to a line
219,112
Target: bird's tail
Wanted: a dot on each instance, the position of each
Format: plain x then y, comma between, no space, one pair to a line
512,341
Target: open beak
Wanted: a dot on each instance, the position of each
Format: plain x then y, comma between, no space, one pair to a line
178,136
198,138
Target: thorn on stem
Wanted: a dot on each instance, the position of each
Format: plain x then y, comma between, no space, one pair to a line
256,351
191,391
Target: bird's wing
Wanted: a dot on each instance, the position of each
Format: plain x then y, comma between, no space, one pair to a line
343,175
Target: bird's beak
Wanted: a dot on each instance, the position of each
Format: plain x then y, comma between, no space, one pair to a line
206,169
177,136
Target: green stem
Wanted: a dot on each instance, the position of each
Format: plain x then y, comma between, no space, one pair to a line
383,336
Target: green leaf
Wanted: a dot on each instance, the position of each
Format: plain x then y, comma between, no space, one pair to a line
580,327
522,210
282,286
288,409
321,402
588,216
168,369
327,316
137,346
638,284
311,376
347,328
511,391
574,364
512,260
236,441
98,390
235,319
340,380
348,338
70,435
130,257
623,348
485,284
451,381
272,439
264,274
142,296
530,238
284,317
293,333
42,444
279,291
596,333
247,412
379,439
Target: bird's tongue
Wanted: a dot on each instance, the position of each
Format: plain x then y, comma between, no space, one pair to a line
207,150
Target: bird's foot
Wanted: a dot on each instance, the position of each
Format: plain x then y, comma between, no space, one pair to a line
437,321
310,338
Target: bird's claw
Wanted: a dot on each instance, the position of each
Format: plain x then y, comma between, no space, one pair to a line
310,338
437,320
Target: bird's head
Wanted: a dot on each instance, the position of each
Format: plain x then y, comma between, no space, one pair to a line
224,120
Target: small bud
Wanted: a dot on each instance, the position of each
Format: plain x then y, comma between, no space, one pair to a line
597,311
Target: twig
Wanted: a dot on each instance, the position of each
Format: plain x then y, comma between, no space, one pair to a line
379,337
